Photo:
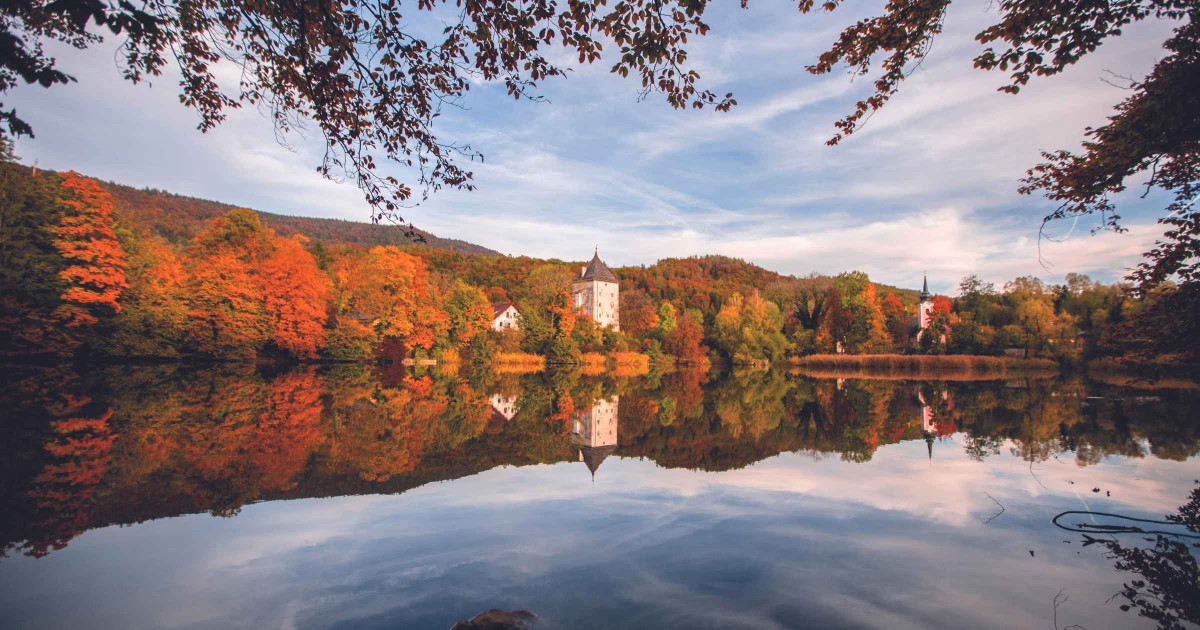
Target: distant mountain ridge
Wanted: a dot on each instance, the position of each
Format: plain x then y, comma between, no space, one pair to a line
178,218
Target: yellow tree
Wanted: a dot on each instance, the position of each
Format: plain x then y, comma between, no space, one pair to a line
1042,328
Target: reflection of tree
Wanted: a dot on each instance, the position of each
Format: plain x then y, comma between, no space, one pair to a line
1167,588
214,438
79,451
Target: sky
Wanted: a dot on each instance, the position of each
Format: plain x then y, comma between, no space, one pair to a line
928,185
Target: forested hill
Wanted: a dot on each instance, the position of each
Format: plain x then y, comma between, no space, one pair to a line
178,218
705,282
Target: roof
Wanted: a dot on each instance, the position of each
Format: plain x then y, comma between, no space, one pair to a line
925,289
500,307
597,271
593,456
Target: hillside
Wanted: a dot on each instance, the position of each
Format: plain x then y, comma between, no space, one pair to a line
700,282
178,218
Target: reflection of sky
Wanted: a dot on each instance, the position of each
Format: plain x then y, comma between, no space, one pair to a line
791,541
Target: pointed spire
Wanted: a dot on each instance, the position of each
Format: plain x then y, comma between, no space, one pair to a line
597,270
925,287
929,445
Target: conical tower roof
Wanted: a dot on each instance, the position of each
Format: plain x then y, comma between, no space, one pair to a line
593,456
925,289
597,271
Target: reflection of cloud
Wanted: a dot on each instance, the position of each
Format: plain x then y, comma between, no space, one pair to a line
896,542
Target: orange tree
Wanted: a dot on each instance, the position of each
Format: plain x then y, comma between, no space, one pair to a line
384,295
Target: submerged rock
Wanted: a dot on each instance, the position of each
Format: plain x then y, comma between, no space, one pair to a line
496,619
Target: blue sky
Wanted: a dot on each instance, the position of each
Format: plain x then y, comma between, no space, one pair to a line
929,184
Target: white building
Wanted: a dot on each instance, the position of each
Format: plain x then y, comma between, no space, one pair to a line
920,323
596,294
594,431
506,406
505,316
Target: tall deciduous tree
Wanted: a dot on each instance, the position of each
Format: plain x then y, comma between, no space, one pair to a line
386,294
750,330
295,294
895,318
685,342
153,317
248,287
638,315
94,275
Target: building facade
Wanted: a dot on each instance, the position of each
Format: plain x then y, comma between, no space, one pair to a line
596,293
505,316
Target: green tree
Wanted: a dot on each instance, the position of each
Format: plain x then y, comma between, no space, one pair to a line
667,318
750,330
468,310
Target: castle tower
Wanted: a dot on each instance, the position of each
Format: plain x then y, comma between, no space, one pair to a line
595,293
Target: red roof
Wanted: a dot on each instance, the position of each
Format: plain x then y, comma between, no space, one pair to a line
499,307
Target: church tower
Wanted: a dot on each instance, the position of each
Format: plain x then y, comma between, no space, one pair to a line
924,309
595,293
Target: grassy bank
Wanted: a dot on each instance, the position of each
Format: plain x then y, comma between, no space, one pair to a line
519,362
960,366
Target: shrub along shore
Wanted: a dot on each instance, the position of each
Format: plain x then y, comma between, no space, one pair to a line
910,364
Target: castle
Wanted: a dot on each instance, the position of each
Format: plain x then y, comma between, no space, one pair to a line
595,293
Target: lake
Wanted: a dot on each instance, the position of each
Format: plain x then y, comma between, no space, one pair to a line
349,496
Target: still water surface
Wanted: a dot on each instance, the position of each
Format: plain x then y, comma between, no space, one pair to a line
349,497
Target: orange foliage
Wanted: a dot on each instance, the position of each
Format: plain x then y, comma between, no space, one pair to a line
593,363
81,450
295,292
684,343
225,309
564,314
392,291
95,271
631,364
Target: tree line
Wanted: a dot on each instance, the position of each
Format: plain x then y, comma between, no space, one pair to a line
83,277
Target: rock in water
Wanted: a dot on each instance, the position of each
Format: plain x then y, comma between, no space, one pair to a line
495,619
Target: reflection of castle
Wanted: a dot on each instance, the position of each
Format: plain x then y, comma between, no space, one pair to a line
594,431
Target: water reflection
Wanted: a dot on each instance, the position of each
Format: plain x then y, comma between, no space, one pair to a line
594,431
129,445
